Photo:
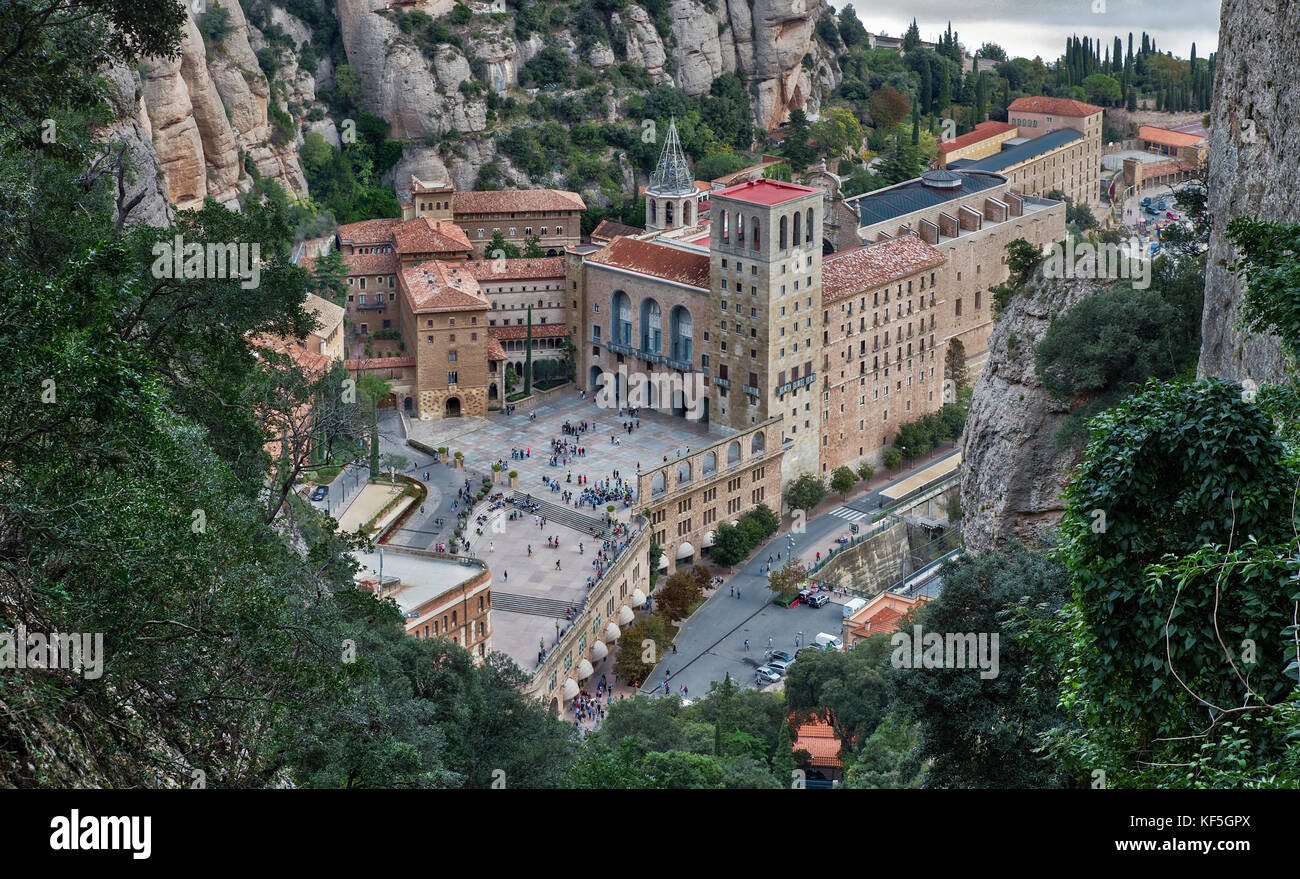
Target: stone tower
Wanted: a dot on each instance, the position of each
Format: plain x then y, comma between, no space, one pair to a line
670,199
765,303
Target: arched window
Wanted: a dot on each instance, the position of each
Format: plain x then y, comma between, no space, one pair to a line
668,213
797,237
759,444
740,231
652,329
733,453
657,484
683,473
654,211
681,326
621,315
754,244
709,465
686,213
784,231
725,229
809,230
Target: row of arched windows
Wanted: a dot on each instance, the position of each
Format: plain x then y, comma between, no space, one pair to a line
732,223
680,325
708,463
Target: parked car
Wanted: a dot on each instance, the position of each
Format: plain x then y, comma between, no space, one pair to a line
787,658
1171,215
1146,201
780,666
320,493
1152,211
828,642
817,600
767,674
1162,206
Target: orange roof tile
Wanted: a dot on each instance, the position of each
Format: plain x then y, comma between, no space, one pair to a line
516,200
540,331
494,349
607,230
437,286
427,235
818,738
369,231
1054,106
983,131
853,271
656,260
1166,137
310,362
371,263
516,269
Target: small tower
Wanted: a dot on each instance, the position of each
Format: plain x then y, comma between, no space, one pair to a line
670,199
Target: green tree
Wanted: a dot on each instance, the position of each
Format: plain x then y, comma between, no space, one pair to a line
842,480
806,492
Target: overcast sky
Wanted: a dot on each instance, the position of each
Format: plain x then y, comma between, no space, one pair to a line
1040,27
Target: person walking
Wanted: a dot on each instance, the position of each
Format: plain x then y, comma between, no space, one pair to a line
746,645
557,564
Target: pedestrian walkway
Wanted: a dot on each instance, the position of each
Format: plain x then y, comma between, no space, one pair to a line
849,513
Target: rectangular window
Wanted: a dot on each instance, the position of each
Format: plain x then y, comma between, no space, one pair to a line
451,377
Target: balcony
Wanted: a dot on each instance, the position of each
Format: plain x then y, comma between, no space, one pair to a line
796,384
722,382
751,390
371,306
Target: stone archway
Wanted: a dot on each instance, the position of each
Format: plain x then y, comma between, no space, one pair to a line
452,408
408,404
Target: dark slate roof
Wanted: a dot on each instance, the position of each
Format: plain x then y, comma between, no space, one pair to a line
895,201
1025,151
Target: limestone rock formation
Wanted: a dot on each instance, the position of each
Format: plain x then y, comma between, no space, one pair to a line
130,131
1012,473
1252,169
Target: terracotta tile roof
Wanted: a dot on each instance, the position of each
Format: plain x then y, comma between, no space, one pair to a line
656,260
983,131
308,361
369,231
516,269
516,200
427,235
438,286
765,192
371,263
540,331
608,230
494,349
1054,106
328,315
1166,137
378,362
818,738
852,271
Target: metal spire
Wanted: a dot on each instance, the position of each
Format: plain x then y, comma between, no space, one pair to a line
672,176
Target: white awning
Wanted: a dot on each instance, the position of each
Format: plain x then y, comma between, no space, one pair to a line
570,689
685,550
612,631
663,562
599,651
638,598
584,670
707,541
625,615
735,522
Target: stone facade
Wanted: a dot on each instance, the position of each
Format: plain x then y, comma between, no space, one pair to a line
1074,169
688,496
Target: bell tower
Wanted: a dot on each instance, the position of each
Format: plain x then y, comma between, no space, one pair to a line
670,199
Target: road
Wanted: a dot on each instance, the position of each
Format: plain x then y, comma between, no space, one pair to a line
711,643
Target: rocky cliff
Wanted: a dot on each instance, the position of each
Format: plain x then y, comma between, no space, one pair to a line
1012,473
1253,167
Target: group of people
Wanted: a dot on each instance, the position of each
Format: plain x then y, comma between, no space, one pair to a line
591,709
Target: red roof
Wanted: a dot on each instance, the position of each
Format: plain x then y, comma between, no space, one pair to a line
1053,106
369,231
516,269
494,349
983,131
437,286
518,200
852,271
609,229
656,260
766,192
818,738
540,331
371,263
1168,137
427,235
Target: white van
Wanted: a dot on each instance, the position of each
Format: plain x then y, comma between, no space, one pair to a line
854,606
828,642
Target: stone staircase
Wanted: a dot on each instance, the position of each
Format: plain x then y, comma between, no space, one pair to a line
542,607
565,515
